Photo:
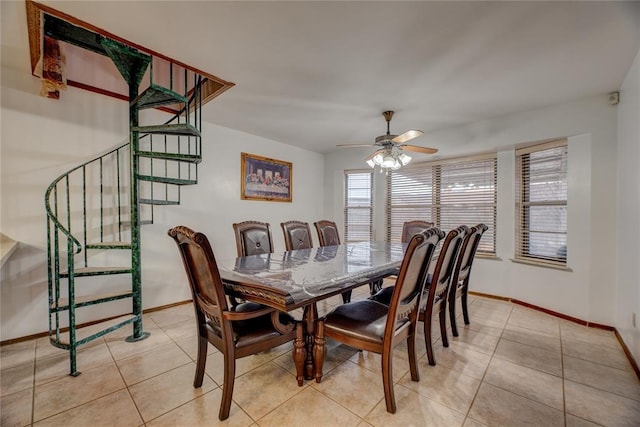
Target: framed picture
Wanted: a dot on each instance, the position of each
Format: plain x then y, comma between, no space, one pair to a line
265,179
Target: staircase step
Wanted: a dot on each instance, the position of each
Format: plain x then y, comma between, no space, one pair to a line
158,202
157,96
191,158
97,271
167,180
85,300
93,331
183,129
109,245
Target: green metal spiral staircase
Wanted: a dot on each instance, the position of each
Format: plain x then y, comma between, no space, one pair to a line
95,210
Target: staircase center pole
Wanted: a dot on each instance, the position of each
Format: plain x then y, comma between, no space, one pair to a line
136,270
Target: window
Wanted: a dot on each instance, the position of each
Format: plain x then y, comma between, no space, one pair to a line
541,203
448,193
358,206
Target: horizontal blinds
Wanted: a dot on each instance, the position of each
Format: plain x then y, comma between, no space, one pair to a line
450,193
541,203
358,206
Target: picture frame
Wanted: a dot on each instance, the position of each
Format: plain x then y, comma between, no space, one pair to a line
265,179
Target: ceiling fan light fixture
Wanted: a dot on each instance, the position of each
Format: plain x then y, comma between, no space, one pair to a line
404,159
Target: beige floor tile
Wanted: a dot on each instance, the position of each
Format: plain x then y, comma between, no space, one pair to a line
530,383
443,385
190,346
494,406
162,393
613,357
373,362
17,354
121,349
148,364
603,377
478,341
498,317
215,364
15,409
529,356
538,321
116,409
470,422
573,421
494,304
184,329
356,388
464,360
66,393
576,332
173,315
17,378
413,410
309,407
44,348
203,411
480,324
261,390
600,406
532,338
57,367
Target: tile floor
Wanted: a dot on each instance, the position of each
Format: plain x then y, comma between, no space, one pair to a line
512,366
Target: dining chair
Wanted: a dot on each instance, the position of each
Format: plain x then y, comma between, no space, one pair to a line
328,236
253,238
378,328
460,282
237,332
297,235
410,228
436,292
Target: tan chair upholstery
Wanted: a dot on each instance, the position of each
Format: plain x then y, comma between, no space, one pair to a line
460,280
297,235
410,228
242,331
372,326
253,238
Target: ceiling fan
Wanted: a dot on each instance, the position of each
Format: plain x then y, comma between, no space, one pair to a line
391,154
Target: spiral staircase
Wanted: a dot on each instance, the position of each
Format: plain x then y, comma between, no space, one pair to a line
95,210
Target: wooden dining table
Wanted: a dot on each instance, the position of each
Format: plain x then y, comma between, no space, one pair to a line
290,280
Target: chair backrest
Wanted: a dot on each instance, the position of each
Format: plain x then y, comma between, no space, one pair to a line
206,285
297,235
327,233
412,277
253,238
445,266
410,228
468,252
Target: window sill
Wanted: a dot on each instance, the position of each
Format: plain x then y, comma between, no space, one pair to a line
490,257
541,264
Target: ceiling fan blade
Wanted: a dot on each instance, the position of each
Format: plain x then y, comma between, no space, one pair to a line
355,145
407,136
418,149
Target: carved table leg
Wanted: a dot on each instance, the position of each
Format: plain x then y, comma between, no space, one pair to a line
318,350
299,353
309,318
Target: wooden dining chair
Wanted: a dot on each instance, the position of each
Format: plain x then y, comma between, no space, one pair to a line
236,332
410,228
297,235
327,233
436,293
460,281
253,238
378,328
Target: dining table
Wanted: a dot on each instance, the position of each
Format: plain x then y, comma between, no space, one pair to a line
289,280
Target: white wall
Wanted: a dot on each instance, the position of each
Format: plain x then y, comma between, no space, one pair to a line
587,292
628,208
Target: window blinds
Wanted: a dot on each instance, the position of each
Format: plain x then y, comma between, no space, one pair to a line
541,203
358,206
447,193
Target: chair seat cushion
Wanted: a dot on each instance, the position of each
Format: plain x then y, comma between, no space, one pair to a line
364,320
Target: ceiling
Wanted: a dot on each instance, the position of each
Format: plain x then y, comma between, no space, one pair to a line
317,74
